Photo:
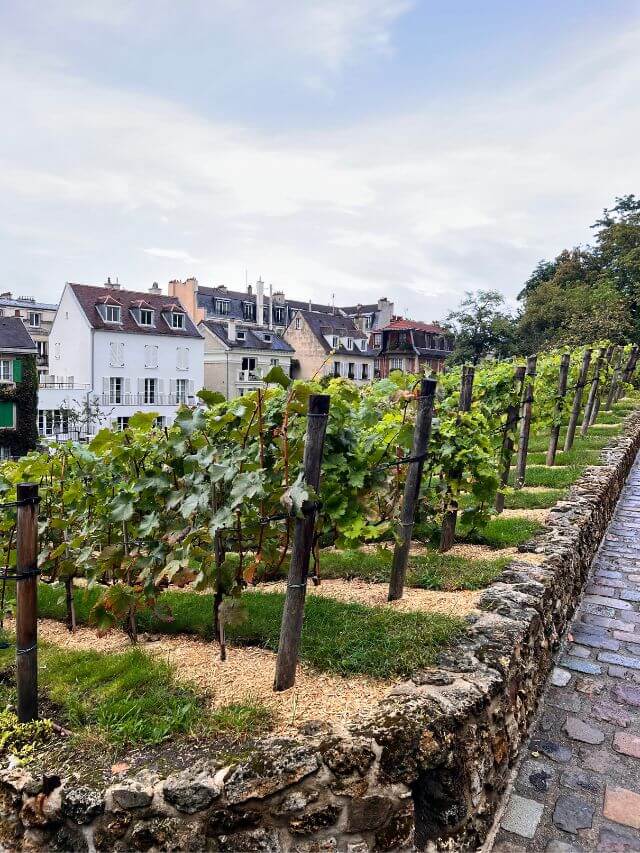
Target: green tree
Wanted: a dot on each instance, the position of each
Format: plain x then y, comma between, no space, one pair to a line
482,327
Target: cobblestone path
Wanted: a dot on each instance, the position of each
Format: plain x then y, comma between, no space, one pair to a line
578,787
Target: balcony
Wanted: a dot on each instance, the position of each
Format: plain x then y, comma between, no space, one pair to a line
63,382
146,400
254,375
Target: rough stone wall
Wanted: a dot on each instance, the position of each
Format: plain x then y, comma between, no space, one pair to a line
429,762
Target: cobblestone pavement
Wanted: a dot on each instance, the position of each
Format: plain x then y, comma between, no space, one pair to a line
578,787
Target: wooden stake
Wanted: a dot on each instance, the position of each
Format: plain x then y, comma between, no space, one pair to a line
450,519
562,393
577,400
293,613
510,427
615,379
27,602
596,405
525,421
421,433
627,373
593,393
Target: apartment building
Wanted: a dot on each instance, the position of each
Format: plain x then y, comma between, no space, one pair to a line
410,346
236,359
18,389
272,309
329,345
115,352
37,317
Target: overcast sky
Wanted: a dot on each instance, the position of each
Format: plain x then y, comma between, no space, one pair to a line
408,148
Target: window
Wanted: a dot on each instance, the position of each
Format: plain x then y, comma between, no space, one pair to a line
351,373
182,390
7,415
177,320
159,422
34,319
115,389
116,354
364,371
248,364
297,322
43,349
151,355
241,336
349,343
53,422
279,315
6,370
368,321
150,391
274,362
249,310
112,313
267,339
397,364
146,317
182,358
221,306
123,422
5,452
336,368
335,342
377,340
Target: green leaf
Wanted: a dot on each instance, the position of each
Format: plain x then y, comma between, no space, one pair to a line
277,376
211,398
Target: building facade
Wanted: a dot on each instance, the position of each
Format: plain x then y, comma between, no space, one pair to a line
237,358
114,352
18,389
37,317
329,345
410,346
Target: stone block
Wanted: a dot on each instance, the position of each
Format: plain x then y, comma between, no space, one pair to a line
522,816
622,806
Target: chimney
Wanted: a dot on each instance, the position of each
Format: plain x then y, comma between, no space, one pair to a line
6,295
113,284
231,330
384,315
310,305
271,306
249,290
260,302
155,288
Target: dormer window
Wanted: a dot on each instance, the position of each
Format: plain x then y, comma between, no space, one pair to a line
220,306
240,335
349,343
267,339
298,322
249,310
146,317
112,314
177,320
335,342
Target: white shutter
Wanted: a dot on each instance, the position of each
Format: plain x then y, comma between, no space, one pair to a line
173,390
127,390
11,363
178,358
105,386
112,354
121,354
192,389
147,351
140,389
186,358
160,387
154,356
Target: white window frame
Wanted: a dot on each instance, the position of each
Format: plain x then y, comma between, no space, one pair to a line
116,314
335,342
6,370
221,306
56,349
275,362
279,315
37,316
241,335
182,390
396,363
150,391
116,390
177,320
349,343
145,311
122,422
297,322
364,370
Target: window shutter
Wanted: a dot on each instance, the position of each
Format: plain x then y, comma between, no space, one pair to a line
17,369
105,384
154,356
186,358
191,388
140,386
160,387
121,354
6,414
127,389
172,387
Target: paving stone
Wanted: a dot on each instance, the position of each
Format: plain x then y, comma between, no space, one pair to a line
626,636
630,595
612,583
576,729
596,641
634,578
617,671
578,665
634,648
612,841
581,779
610,713
597,609
589,686
622,806
607,573
604,622
537,775
597,589
628,694
571,813
557,846
600,760
629,616
578,651
568,702
522,816
500,847
609,603
619,660
627,743
560,677
554,751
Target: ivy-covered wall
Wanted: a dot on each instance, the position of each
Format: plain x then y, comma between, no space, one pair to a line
24,394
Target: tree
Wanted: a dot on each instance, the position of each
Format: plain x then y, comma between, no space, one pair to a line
482,327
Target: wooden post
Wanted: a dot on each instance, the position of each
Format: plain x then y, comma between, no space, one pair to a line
450,519
293,613
525,422
510,427
562,393
421,433
627,373
596,405
577,400
593,393
615,379
27,602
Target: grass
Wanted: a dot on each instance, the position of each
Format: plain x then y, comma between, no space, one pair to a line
551,478
575,456
503,532
591,441
521,499
348,639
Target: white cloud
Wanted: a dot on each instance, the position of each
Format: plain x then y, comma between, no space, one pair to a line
172,255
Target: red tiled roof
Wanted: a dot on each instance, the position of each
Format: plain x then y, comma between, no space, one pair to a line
89,296
415,324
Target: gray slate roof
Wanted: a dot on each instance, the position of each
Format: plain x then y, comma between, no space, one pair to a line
30,305
254,338
14,337
335,324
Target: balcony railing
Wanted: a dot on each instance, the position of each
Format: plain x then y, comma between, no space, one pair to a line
64,383
254,375
146,400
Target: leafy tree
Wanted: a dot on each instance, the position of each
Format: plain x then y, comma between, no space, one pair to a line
482,327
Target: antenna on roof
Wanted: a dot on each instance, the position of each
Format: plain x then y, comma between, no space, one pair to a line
333,303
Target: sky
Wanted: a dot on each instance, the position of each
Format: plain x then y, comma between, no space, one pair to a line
414,149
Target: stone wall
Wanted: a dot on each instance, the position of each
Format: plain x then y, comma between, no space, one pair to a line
429,762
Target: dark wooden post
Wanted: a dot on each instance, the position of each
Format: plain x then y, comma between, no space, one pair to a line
510,427
615,379
577,400
562,393
596,405
593,393
450,519
27,602
627,373
525,422
421,433
293,613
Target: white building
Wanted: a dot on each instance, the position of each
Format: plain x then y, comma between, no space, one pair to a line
236,358
116,352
